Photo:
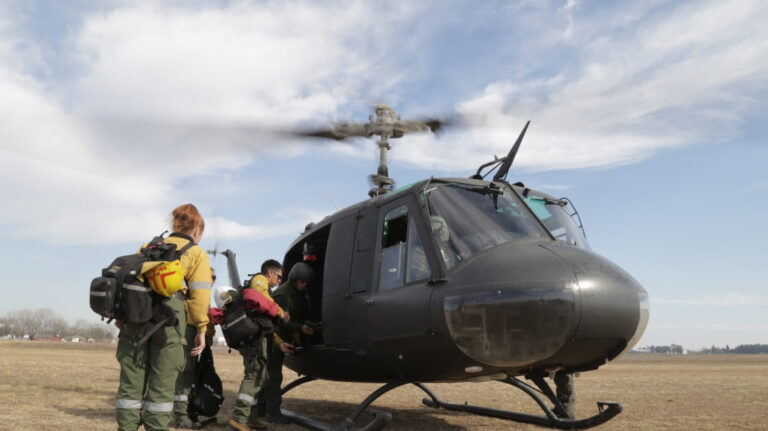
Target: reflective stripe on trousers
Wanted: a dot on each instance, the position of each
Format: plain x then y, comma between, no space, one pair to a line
158,407
128,404
247,398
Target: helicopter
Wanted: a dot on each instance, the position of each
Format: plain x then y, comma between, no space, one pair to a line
457,279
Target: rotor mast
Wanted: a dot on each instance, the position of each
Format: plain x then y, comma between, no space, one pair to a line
383,126
386,125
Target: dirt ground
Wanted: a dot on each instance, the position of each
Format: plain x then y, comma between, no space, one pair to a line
65,386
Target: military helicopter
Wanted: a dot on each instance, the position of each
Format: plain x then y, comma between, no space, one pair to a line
457,279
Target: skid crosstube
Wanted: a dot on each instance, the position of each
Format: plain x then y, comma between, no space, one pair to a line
380,419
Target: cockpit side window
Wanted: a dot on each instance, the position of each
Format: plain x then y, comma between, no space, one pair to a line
556,219
418,266
402,253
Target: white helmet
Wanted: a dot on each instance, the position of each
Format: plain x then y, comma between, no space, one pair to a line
440,228
222,295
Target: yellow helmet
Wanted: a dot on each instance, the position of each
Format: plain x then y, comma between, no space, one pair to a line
166,278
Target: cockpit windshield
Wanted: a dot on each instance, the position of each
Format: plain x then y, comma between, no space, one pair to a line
467,219
556,219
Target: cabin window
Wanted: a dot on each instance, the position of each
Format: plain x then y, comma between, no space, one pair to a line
395,227
402,252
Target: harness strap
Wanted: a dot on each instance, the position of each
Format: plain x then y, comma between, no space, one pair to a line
148,334
187,247
260,355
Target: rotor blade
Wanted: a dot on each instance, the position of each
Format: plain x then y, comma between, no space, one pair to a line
337,132
326,134
504,168
437,125
242,132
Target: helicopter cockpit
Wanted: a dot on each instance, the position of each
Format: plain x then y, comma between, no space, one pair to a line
556,216
469,218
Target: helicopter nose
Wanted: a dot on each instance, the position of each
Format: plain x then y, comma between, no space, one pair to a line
544,304
614,309
512,306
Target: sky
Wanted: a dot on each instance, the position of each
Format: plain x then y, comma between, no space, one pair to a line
649,115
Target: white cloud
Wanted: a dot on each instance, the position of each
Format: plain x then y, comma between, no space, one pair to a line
176,91
165,93
642,81
287,222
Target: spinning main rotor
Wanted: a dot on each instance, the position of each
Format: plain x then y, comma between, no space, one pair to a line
385,124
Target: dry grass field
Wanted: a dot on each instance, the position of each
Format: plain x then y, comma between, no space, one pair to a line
64,386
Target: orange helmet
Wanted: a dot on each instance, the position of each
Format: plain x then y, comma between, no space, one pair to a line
166,278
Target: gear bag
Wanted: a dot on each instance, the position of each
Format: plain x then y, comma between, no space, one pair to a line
206,396
242,326
121,292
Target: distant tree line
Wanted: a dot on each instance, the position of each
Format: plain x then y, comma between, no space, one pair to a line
741,348
675,349
44,323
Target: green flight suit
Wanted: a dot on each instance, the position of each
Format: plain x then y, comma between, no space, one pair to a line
297,304
254,359
149,382
186,378
565,393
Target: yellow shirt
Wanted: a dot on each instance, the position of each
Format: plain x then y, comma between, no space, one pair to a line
197,281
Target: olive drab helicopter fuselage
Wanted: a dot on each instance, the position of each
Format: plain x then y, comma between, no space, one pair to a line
455,279
401,298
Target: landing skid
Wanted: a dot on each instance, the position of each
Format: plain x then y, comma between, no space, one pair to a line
606,411
380,419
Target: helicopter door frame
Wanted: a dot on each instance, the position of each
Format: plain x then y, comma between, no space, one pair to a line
360,279
401,314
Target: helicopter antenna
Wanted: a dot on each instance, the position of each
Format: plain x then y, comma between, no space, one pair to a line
501,174
333,200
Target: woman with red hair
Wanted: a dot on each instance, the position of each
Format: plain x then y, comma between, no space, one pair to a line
148,375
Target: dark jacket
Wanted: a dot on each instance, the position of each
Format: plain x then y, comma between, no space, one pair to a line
294,302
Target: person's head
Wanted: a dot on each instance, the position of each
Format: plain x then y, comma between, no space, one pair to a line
273,270
300,276
187,220
300,284
213,275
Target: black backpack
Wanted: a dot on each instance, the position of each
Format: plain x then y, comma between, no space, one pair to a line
242,326
206,396
118,293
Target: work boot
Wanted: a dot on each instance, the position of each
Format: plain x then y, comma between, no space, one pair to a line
256,424
233,425
277,419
